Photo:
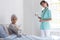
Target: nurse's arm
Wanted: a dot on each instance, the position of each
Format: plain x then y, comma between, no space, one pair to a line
39,17
43,20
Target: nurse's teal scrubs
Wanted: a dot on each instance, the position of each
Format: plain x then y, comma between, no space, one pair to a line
46,14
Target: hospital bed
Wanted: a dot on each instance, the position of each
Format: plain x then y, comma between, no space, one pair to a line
27,37
55,35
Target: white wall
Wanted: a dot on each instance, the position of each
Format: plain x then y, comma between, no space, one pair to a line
9,7
31,23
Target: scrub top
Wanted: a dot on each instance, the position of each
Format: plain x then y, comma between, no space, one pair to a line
46,14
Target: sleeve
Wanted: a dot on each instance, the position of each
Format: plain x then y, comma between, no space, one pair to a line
47,14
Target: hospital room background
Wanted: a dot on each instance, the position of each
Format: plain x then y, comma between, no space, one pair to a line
25,11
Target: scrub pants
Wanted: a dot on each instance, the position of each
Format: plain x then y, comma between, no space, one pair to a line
45,33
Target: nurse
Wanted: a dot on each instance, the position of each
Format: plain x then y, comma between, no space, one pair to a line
44,19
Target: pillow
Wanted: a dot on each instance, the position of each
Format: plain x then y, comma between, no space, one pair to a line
6,29
3,33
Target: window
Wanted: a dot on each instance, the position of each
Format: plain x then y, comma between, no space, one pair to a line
54,6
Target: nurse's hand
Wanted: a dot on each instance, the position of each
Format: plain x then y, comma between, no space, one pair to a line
37,16
40,20
43,20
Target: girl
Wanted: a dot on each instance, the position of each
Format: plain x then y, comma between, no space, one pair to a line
13,28
44,19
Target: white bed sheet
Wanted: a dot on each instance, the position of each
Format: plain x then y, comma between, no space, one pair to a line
27,37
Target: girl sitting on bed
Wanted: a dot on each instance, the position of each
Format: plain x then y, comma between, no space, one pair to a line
13,28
